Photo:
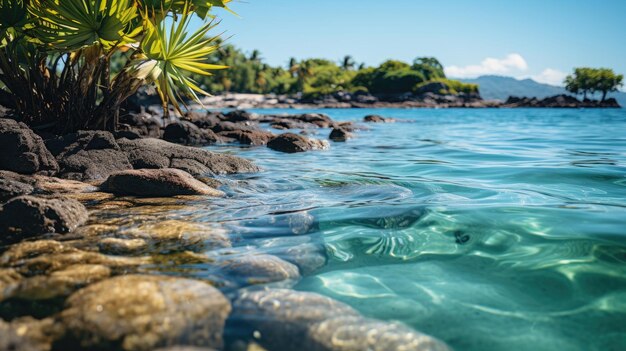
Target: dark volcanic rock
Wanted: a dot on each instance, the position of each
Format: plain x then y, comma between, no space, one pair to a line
559,101
155,153
143,124
377,119
239,116
156,183
291,143
88,155
23,151
27,216
249,137
207,121
226,126
340,134
140,312
283,124
187,133
11,187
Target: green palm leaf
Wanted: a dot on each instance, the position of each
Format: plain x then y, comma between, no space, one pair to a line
73,24
175,52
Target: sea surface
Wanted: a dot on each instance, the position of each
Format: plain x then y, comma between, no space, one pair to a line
491,229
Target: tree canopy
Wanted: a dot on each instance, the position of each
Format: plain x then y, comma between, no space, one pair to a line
587,80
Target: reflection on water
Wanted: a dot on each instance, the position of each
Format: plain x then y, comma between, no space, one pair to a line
489,229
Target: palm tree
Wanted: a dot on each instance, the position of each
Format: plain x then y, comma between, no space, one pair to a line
348,63
55,56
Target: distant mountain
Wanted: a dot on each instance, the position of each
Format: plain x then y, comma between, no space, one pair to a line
500,88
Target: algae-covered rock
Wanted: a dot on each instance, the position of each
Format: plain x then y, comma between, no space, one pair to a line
29,334
60,283
139,312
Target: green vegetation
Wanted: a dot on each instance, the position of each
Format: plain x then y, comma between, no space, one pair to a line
319,77
70,64
593,80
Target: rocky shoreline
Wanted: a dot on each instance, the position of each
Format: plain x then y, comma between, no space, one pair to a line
425,100
90,260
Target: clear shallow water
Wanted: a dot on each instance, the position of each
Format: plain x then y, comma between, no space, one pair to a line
489,229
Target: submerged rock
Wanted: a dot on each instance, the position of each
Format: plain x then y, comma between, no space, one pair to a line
279,319
357,333
28,334
259,269
155,153
187,133
292,143
60,283
122,246
156,183
139,312
23,151
27,216
9,280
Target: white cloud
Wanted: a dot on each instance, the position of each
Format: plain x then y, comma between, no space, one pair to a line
511,64
550,76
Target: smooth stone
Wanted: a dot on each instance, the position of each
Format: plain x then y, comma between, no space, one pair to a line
279,319
23,151
140,312
357,333
28,334
119,246
155,153
292,143
181,234
309,257
259,269
60,283
9,281
156,183
27,216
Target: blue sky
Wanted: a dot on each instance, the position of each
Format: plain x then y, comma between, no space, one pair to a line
530,38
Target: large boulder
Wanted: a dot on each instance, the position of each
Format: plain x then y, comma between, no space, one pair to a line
155,153
23,151
143,124
88,155
27,216
156,183
187,133
139,312
377,119
292,143
239,116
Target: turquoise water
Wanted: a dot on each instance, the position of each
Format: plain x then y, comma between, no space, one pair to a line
489,229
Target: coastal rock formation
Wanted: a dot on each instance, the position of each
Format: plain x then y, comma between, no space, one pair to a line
156,183
281,318
88,155
141,312
187,133
558,101
292,143
27,216
357,333
143,124
340,135
10,187
23,151
377,119
155,153
259,269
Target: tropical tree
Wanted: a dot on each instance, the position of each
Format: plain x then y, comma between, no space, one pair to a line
581,82
607,81
348,63
55,57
